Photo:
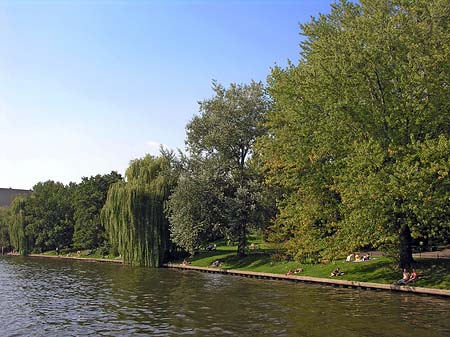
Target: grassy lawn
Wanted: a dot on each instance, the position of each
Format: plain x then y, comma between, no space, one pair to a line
433,273
89,254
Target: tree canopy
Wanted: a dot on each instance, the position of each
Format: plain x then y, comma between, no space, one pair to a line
358,133
44,220
5,242
218,190
133,214
89,196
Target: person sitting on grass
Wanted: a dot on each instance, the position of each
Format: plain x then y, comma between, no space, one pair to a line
412,277
405,277
366,257
185,262
216,263
211,247
336,272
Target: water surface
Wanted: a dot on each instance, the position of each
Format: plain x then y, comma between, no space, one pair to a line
56,297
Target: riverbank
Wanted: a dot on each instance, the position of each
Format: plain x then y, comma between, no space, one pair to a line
336,282
433,273
380,270
324,281
79,258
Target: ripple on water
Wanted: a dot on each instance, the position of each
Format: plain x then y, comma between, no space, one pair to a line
51,297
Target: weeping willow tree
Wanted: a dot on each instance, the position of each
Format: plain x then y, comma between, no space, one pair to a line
17,226
133,214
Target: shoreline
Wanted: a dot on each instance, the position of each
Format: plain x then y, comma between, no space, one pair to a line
271,276
324,281
86,259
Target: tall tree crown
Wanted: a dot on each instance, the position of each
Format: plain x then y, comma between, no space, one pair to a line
370,91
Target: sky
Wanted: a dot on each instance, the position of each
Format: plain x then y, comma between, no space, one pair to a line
87,86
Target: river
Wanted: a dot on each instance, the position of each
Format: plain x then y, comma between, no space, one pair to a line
58,297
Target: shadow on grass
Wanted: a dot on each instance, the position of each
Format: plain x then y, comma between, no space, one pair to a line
382,270
211,253
253,260
231,260
433,272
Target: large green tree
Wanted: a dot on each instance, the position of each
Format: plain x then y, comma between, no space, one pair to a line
194,207
89,196
133,214
219,187
359,130
44,220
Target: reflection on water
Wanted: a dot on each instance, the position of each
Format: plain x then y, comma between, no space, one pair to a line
52,297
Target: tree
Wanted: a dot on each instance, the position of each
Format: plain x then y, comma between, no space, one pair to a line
133,214
44,220
194,208
89,196
221,186
17,226
358,133
5,242
393,199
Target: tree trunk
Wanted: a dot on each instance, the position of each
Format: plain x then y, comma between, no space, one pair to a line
406,258
242,241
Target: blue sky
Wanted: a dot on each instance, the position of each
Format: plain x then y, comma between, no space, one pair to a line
86,86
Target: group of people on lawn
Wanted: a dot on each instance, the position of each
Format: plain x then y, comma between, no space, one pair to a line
355,257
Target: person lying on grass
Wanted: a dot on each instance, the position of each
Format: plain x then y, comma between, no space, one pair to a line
216,263
336,272
354,257
350,258
296,271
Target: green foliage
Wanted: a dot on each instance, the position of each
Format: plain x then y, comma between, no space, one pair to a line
194,208
17,226
219,191
88,199
133,214
44,220
5,219
358,133
382,192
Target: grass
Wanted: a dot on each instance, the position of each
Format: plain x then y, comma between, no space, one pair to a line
87,253
433,273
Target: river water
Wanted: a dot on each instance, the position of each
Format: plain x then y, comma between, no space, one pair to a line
56,297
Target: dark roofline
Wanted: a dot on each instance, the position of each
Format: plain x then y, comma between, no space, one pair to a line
8,194
16,189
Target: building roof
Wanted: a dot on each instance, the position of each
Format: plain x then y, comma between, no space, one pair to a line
8,194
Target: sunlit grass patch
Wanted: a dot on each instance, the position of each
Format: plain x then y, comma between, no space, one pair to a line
433,273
